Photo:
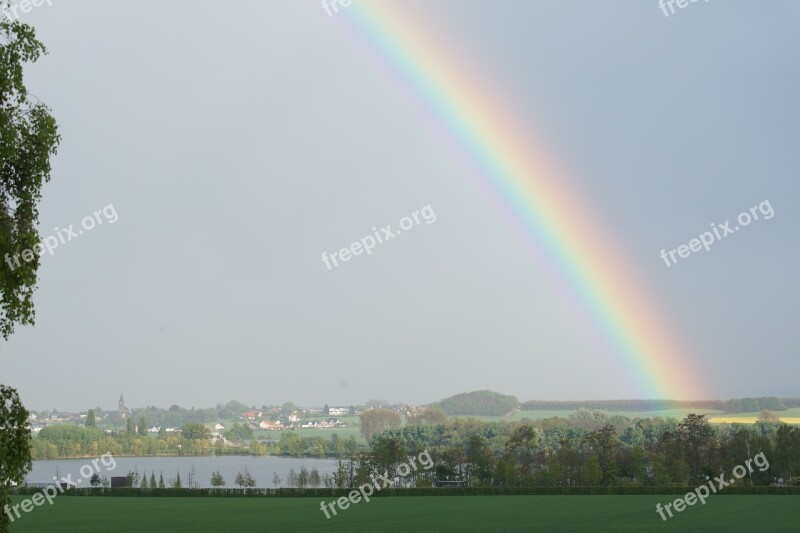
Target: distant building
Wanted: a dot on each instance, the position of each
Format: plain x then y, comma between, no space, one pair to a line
267,425
338,411
123,410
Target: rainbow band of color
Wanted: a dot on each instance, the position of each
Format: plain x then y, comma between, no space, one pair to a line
655,364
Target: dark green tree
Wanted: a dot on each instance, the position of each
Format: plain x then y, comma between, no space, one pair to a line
161,481
239,432
142,427
195,432
314,478
28,139
786,461
217,480
91,422
153,480
132,479
245,480
15,452
698,440
604,443
523,444
302,478
592,475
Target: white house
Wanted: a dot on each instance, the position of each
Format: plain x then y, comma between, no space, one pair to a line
266,424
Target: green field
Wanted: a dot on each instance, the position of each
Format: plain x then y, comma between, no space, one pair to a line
412,513
326,433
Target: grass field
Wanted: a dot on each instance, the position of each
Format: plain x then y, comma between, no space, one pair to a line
326,433
417,513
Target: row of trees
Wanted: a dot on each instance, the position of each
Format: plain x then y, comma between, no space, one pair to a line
67,440
302,479
737,405
559,452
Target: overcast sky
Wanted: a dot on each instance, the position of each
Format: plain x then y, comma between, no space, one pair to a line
239,140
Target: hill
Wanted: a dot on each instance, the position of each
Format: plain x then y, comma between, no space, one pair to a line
478,403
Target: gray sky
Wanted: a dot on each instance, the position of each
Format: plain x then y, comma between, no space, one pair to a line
237,141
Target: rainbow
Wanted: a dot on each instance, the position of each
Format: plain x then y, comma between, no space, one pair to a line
652,362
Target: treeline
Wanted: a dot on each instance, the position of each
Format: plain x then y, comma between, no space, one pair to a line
65,441
478,403
621,405
585,452
738,405
749,405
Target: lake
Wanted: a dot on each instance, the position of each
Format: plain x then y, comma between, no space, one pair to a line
261,469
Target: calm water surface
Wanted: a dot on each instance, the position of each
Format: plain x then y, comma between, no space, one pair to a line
261,468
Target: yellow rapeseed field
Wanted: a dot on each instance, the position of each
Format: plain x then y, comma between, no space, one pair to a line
748,420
